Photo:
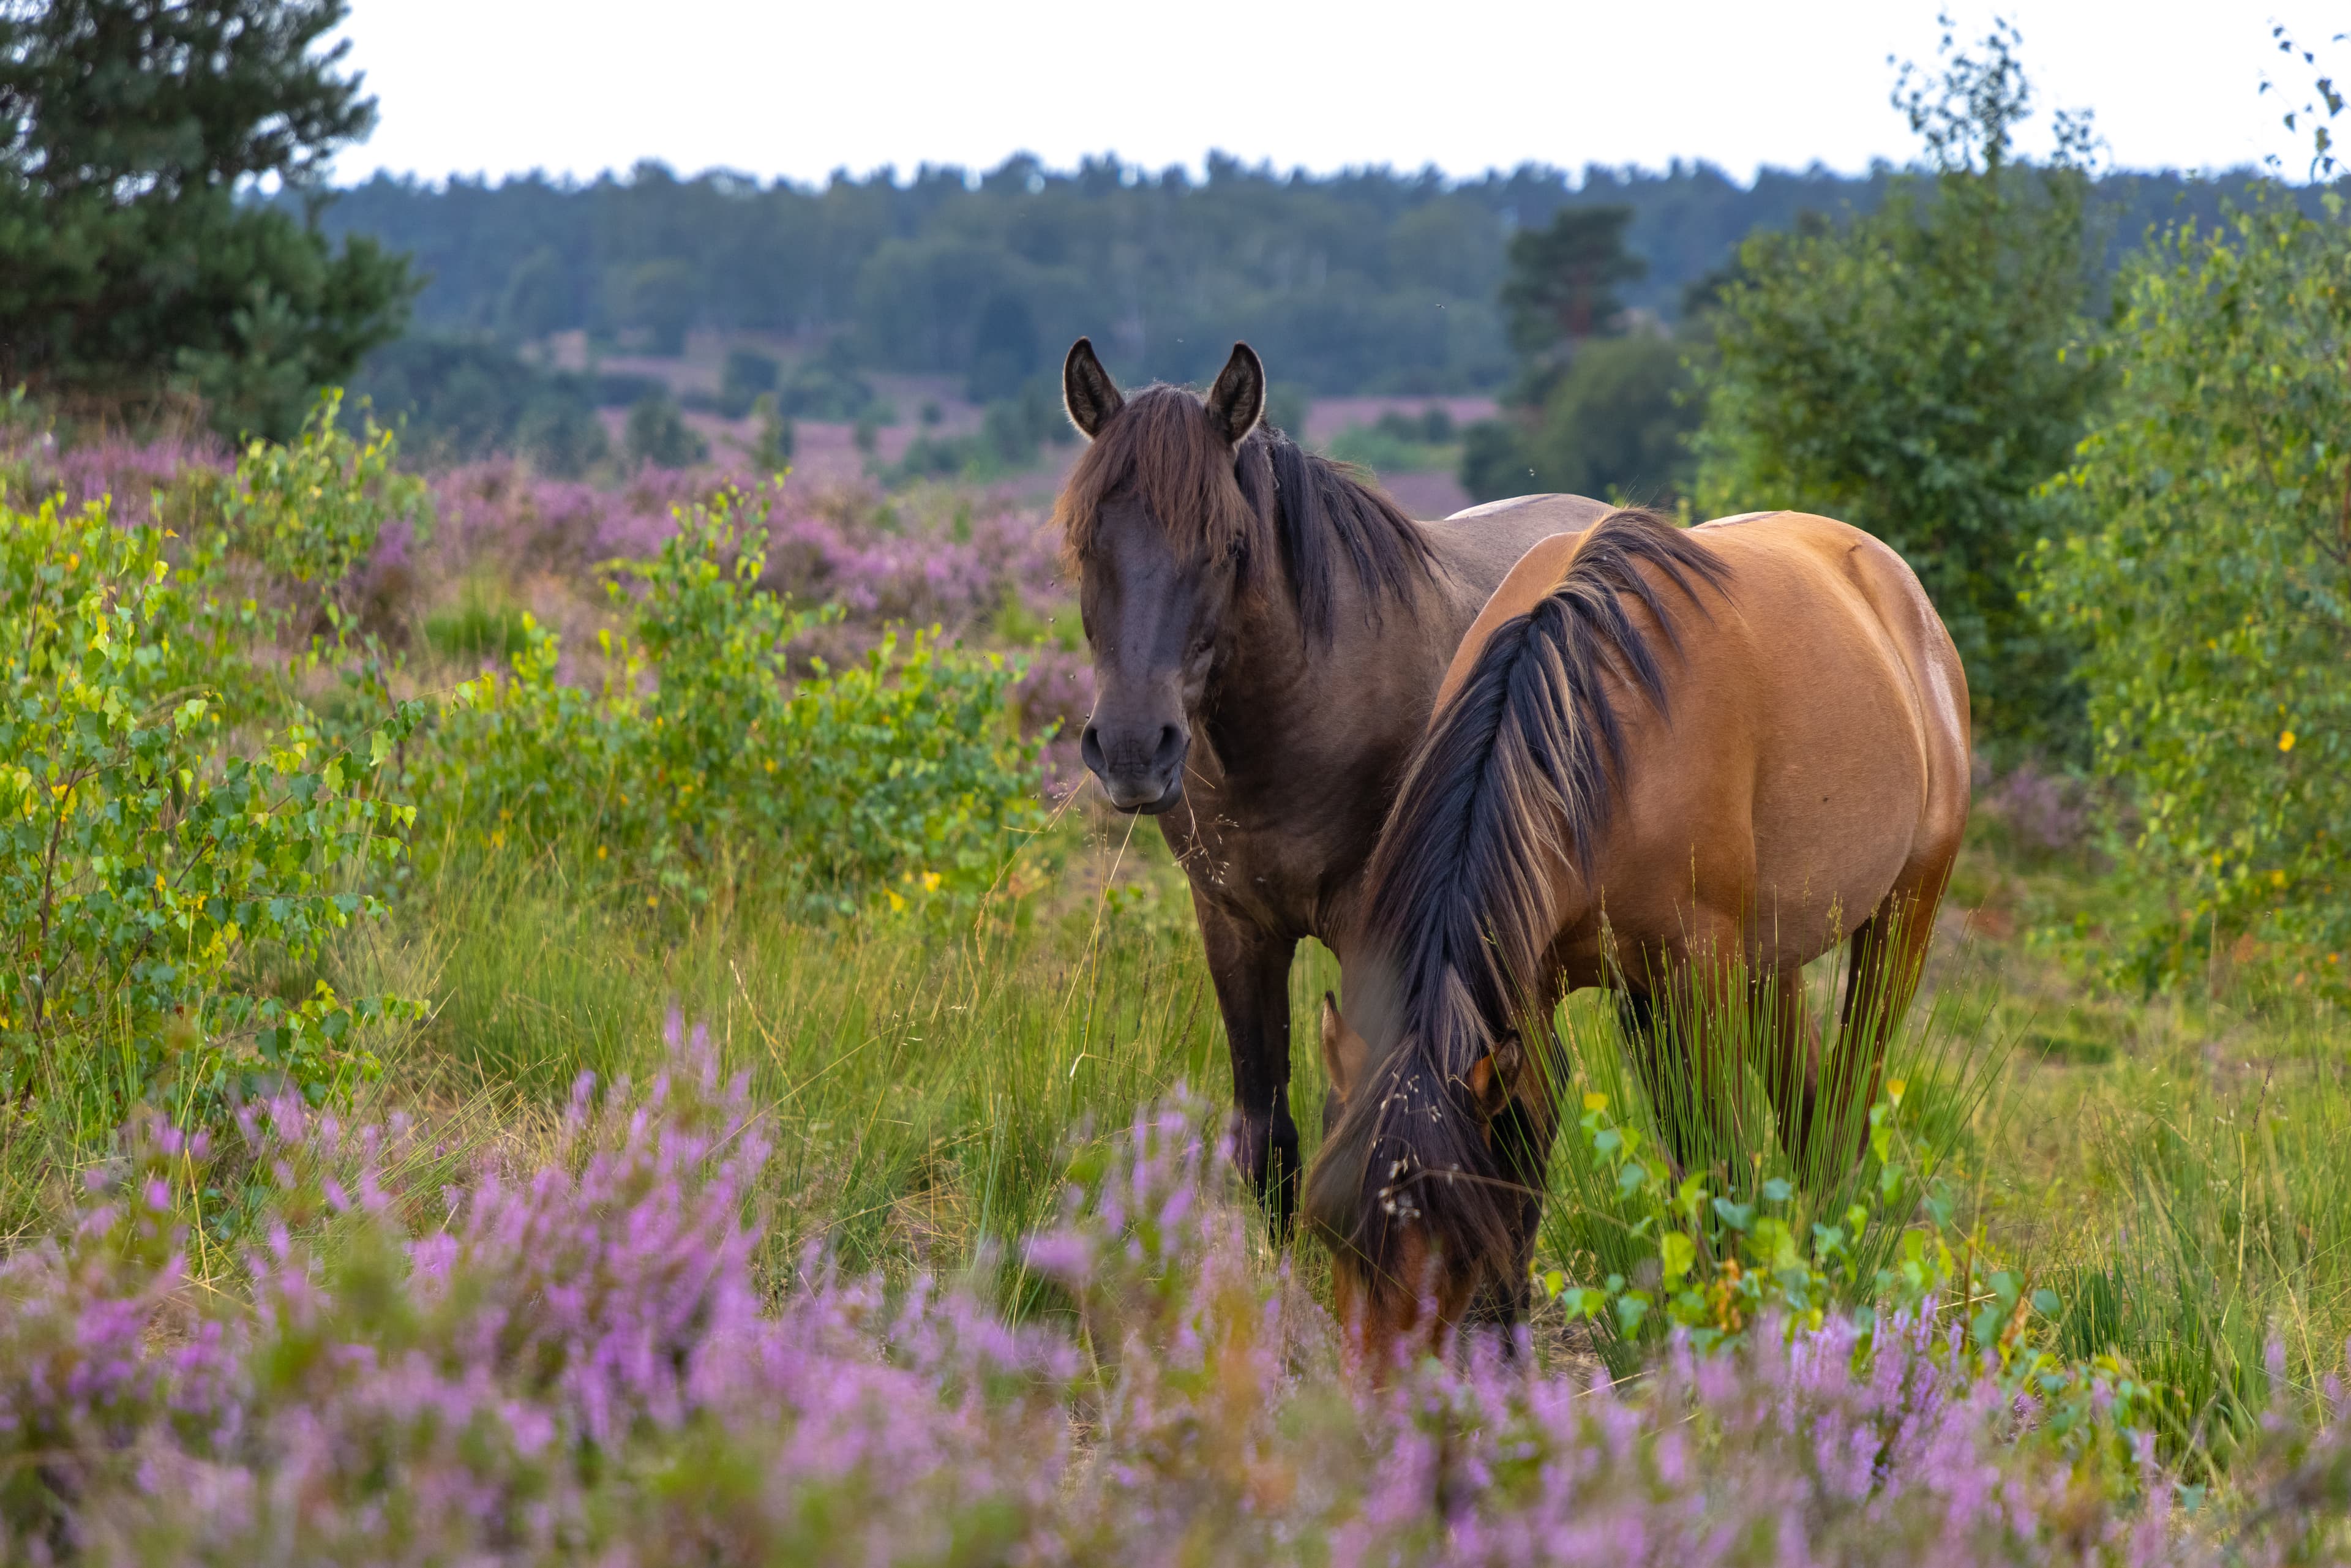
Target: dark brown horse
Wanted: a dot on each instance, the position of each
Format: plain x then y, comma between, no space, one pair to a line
1268,637
1674,762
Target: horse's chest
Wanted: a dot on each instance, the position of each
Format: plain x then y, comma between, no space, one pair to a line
1280,877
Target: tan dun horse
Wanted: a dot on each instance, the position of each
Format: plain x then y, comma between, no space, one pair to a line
1268,636
1660,759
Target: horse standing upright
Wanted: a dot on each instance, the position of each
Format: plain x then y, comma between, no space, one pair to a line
1663,760
1268,634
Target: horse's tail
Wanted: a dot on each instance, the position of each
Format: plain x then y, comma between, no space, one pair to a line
1511,782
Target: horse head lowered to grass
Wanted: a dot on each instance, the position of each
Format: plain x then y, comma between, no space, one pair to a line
1677,763
1268,632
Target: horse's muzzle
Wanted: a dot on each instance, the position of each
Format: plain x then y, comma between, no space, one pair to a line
1134,798
1148,789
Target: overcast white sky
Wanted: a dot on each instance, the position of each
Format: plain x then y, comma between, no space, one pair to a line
798,89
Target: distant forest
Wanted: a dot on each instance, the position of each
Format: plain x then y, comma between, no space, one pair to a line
1362,282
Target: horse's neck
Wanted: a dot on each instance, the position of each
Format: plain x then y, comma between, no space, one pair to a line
1289,687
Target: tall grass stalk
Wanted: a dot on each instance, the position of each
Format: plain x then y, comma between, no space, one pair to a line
2217,1224
925,1072
1695,1075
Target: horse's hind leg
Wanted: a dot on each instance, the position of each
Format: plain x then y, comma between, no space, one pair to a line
1662,1069
1886,954
1789,1060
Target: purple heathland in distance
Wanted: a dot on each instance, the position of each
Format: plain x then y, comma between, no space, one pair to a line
960,563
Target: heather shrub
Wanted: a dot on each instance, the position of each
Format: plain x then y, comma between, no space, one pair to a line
704,761
588,1359
2037,810
158,869
308,514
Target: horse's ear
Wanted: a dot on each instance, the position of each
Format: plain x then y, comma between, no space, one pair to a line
1087,391
1238,400
1493,1078
1334,1046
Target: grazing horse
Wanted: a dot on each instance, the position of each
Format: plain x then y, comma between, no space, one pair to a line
1268,637
1661,757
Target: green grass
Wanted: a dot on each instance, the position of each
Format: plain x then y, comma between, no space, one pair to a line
1714,1120
480,625
2179,1170
2190,1199
1386,452
927,1074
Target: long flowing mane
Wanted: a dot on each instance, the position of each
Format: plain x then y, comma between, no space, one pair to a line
1522,771
1269,498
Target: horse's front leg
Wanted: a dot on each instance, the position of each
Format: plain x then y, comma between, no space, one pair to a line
1250,967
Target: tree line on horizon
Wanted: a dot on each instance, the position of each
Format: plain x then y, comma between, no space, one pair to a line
141,260
1368,280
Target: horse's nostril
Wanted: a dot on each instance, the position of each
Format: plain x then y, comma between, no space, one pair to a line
1090,750
1171,742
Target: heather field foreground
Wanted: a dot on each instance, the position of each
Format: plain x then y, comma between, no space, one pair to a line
554,1022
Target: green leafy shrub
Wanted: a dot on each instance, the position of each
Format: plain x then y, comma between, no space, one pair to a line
699,761
151,867
307,514
2209,578
1720,1268
1400,442
1614,423
658,435
1908,371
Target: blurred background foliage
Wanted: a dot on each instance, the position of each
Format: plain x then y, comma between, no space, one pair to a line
1974,357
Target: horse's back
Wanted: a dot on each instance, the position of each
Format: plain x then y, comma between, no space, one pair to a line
1478,548
1813,754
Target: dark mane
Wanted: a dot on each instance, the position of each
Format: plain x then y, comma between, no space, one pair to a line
1269,498
1520,771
